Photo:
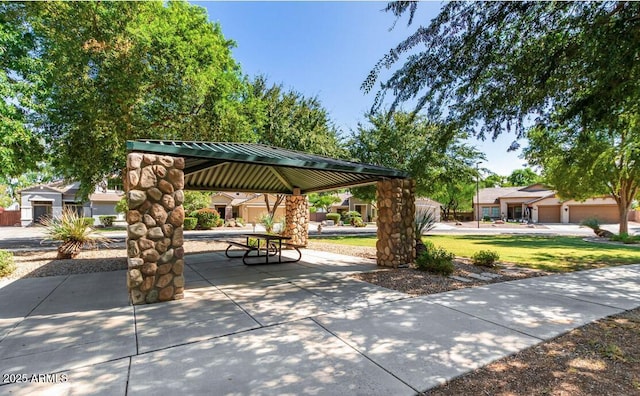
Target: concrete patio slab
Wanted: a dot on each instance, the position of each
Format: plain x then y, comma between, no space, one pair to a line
349,293
292,359
19,298
279,303
616,287
422,343
528,310
100,379
86,292
203,314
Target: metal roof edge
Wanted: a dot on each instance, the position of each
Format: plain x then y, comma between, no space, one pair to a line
349,166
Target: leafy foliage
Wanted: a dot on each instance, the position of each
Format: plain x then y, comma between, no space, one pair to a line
267,221
492,67
196,200
7,266
433,155
334,216
73,232
323,200
114,71
435,260
485,258
207,218
122,206
107,221
190,223
523,177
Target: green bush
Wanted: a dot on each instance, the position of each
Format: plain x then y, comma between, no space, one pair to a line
625,238
486,219
122,206
357,222
220,222
207,218
7,266
190,223
592,223
436,260
107,221
485,258
350,217
88,221
240,221
334,216
267,221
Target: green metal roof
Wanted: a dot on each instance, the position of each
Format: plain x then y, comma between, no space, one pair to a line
260,168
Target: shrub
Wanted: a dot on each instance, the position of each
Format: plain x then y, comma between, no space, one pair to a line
207,218
220,222
357,222
435,260
190,223
485,258
7,266
350,217
107,221
592,223
267,221
88,221
239,221
122,206
334,216
625,238
486,219
73,232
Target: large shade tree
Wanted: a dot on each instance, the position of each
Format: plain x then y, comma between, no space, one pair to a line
115,71
293,121
491,67
432,154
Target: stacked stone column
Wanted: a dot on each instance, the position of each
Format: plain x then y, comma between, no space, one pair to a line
396,213
154,186
297,219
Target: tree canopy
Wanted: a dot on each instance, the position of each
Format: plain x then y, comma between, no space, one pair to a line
114,71
523,177
564,72
491,67
413,144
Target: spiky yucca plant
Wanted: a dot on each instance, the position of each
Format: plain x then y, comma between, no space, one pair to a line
72,231
424,221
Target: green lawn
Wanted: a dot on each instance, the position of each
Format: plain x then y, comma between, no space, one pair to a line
550,253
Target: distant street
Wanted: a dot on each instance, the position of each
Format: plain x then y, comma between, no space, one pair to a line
28,238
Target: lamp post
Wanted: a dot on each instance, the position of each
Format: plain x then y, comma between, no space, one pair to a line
478,193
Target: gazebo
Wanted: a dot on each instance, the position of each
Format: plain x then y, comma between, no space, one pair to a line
158,171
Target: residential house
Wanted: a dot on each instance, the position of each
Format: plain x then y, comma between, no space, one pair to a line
539,204
368,211
249,207
49,199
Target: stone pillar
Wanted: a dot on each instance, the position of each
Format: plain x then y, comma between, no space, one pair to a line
154,186
297,219
396,213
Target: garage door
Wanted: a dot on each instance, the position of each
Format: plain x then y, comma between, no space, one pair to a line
604,213
549,214
254,213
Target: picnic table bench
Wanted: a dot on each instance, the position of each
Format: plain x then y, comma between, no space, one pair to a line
273,245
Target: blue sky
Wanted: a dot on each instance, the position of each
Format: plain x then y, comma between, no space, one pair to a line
326,49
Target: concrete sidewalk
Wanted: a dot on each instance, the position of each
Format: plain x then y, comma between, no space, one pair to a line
303,328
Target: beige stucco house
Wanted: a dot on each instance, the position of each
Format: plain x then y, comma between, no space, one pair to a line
249,207
49,200
538,204
368,211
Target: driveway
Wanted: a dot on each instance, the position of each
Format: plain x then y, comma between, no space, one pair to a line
298,328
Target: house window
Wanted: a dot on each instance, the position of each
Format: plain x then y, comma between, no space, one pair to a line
495,212
485,212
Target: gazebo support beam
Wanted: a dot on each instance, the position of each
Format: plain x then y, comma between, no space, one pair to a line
396,214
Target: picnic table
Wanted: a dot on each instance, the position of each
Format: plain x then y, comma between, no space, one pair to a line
258,245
